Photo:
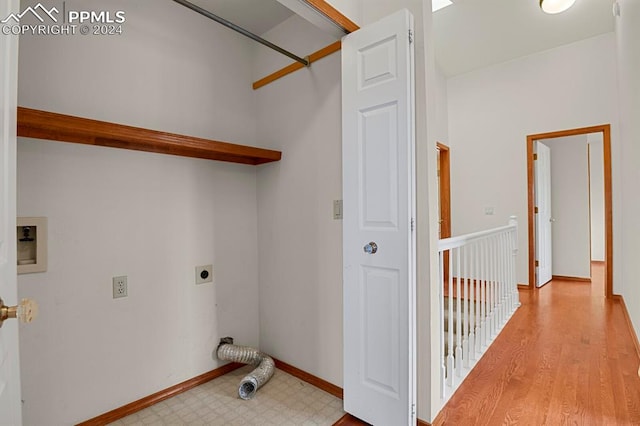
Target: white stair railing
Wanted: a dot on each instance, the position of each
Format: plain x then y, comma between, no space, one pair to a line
478,295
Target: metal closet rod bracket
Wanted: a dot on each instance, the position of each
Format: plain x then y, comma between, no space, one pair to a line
305,61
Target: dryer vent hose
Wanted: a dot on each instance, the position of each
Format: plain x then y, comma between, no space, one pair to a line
264,364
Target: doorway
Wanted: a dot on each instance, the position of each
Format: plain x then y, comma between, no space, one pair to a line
444,200
444,191
605,131
379,256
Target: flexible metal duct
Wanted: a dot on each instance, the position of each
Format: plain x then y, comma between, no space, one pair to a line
264,364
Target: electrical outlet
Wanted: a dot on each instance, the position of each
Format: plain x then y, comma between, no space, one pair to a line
204,274
119,287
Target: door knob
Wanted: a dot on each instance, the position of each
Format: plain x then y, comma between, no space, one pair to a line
371,248
25,312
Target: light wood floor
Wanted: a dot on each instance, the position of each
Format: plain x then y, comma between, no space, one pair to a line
566,358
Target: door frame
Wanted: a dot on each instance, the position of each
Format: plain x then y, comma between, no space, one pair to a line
445,189
444,202
605,129
10,383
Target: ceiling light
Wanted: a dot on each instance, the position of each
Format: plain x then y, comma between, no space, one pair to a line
555,6
439,4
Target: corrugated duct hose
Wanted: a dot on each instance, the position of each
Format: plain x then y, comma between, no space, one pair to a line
253,381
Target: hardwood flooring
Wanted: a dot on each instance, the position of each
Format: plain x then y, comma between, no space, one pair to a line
566,358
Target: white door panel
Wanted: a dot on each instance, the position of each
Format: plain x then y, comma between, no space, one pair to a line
543,218
10,406
378,191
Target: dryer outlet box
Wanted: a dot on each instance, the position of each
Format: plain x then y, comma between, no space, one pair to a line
204,274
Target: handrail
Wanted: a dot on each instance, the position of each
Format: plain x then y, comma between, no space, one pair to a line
478,294
460,240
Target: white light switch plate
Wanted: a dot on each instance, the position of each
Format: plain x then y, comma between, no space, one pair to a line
337,209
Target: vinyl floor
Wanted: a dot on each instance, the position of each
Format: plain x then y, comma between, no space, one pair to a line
283,401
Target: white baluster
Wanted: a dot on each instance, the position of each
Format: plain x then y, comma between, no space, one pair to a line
471,344
496,285
498,294
443,366
450,359
483,292
459,278
476,302
506,297
465,308
485,296
503,280
513,221
491,288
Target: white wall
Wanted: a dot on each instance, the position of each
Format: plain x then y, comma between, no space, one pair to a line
570,206
171,70
300,245
596,184
148,216
627,35
296,35
441,125
491,111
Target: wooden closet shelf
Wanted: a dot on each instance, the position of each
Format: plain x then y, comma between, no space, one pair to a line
38,124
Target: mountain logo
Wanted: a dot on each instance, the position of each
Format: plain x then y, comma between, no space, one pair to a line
34,11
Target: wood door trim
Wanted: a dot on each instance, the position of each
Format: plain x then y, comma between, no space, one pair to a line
445,189
605,129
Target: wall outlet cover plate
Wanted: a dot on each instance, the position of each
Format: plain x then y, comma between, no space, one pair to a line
120,287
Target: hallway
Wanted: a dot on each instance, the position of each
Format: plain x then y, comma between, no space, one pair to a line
566,358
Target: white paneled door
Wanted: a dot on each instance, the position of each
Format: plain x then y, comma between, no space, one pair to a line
10,407
543,216
378,243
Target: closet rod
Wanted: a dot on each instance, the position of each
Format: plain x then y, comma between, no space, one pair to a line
203,12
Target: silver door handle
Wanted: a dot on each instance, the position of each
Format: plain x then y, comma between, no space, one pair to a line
371,248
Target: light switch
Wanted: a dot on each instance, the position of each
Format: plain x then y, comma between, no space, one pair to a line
337,209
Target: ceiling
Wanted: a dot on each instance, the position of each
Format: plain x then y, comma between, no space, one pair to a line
257,16
468,35
472,34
